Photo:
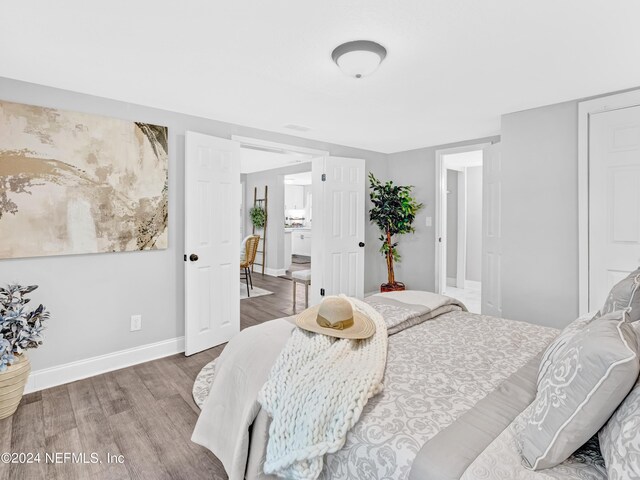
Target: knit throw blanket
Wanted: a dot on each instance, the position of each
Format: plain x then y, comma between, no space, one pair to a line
315,394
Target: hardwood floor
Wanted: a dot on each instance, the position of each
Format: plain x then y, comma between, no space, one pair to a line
144,413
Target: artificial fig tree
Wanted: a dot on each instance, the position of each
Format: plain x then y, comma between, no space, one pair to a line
394,210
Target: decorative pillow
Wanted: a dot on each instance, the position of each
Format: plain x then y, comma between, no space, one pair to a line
589,377
620,437
625,295
551,353
243,249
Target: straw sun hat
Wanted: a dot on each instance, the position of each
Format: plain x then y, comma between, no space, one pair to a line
336,317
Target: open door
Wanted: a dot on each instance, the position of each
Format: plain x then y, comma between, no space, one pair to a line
491,231
338,227
212,241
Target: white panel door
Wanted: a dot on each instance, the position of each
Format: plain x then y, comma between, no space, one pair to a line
614,199
212,241
491,231
337,259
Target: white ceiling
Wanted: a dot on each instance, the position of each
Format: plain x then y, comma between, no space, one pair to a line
252,161
453,67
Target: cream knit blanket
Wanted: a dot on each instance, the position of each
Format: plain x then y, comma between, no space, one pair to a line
315,394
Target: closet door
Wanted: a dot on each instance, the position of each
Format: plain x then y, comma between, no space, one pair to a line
614,199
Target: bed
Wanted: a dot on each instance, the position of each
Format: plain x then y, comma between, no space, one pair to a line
453,384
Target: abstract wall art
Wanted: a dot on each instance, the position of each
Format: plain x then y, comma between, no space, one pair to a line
74,183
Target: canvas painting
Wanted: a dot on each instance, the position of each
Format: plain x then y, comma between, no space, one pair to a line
73,183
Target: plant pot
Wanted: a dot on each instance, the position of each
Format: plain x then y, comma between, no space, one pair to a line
12,383
392,287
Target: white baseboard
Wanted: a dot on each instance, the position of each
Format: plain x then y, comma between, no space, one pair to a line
274,272
452,282
70,372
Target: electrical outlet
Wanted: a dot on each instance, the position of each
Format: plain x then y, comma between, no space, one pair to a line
136,322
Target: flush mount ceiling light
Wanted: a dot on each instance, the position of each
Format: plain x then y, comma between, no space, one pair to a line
359,58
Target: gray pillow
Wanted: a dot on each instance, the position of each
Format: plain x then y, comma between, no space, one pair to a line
590,375
625,295
556,347
620,437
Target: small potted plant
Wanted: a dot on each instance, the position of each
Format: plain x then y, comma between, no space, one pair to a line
394,210
20,329
258,216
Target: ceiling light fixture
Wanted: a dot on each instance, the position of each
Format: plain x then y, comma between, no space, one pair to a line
359,58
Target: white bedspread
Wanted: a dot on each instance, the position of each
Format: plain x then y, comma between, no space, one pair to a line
501,460
436,370
232,405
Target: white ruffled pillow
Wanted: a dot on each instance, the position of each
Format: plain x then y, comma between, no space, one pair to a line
243,249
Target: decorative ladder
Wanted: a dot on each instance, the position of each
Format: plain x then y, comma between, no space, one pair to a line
262,202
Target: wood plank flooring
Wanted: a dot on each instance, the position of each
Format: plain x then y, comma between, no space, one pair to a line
144,413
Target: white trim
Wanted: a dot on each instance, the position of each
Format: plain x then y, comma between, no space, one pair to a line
441,224
585,110
89,367
283,147
274,272
461,254
441,210
318,168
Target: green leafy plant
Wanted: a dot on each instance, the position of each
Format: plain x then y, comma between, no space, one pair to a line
394,210
258,216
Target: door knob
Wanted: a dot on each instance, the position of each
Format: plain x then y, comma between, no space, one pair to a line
361,244
193,257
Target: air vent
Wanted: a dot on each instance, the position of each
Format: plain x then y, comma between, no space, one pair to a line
297,128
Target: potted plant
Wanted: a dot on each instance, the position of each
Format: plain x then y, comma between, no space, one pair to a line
394,210
20,329
258,216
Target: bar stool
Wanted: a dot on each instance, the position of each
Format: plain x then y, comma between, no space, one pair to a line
301,276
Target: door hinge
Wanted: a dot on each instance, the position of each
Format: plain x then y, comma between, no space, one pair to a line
185,257
324,177
322,292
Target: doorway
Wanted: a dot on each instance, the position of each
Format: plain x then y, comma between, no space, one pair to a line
459,224
298,220
276,181
336,208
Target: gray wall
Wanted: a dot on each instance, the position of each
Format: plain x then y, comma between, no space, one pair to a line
274,179
452,224
474,224
92,297
540,215
417,167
